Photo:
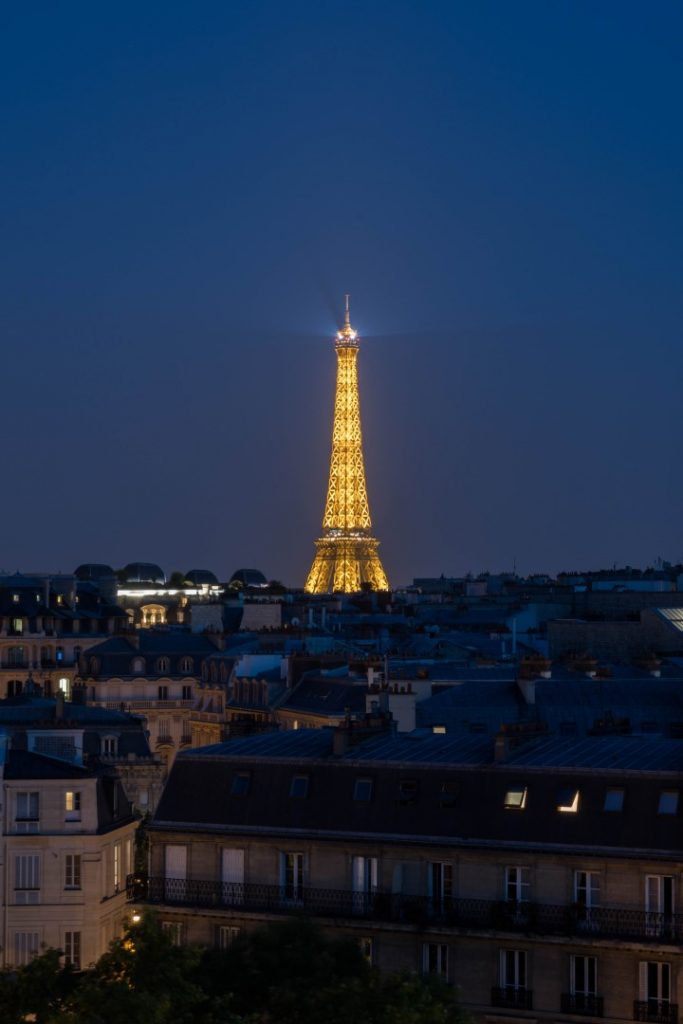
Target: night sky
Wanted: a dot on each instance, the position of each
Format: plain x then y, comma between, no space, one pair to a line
187,191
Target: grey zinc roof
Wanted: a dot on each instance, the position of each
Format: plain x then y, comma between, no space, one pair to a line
623,753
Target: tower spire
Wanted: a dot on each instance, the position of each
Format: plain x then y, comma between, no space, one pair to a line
346,555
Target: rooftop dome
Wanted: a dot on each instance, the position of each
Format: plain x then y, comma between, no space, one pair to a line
200,577
93,571
247,578
143,572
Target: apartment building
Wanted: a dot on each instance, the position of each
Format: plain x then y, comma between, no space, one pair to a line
68,835
542,880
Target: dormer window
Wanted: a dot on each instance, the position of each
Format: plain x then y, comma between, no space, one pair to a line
15,598
407,793
138,664
299,787
614,800
60,599
163,665
94,666
668,802
240,784
568,800
110,746
362,790
186,664
515,798
448,795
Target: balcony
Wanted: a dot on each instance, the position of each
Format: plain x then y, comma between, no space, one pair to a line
582,1003
451,912
512,998
657,1011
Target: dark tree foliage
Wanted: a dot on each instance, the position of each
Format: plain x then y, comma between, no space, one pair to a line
285,973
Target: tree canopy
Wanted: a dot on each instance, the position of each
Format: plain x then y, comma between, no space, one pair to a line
289,972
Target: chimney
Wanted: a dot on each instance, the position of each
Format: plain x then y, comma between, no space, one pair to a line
501,747
528,689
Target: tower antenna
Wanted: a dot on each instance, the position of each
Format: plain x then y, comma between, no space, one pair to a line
347,314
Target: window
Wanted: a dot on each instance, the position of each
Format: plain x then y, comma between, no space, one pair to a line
654,990
72,805
65,687
162,693
14,687
448,795
27,878
187,692
366,946
72,871
299,786
186,664
175,931
240,784
109,746
232,875
439,730
226,935
28,812
117,866
72,950
515,799
164,727
15,598
614,800
364,872
138,665
292,876
587,896
128,856
26,946
440,880
17,626
513,969
362,789
407,793
163,665
659,904
568,800
435,958
517,884
583,976
16,657
668,802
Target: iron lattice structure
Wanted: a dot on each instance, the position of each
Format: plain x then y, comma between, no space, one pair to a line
346,554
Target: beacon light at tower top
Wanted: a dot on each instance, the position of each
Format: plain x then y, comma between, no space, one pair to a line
346,554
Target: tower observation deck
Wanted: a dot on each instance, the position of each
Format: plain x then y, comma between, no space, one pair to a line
346,554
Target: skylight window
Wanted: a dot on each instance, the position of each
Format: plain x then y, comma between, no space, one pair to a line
668,802
299,787
515,799
614,800
568,800
407,793
240,784
448,797
362,789
439,730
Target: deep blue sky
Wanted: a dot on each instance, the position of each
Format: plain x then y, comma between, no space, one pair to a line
186,192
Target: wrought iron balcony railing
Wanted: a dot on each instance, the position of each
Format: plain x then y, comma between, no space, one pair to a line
512,998
530,918
582,1003
657,1011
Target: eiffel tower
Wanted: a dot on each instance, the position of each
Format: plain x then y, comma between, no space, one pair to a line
346,555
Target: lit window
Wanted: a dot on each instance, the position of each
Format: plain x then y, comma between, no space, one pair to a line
568,800
614,800
72,805
299,787
65,687
439,730
668,802
515,799
18,625
240,784
15,598
362,789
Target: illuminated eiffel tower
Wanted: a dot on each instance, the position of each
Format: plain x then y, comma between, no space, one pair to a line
346,555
